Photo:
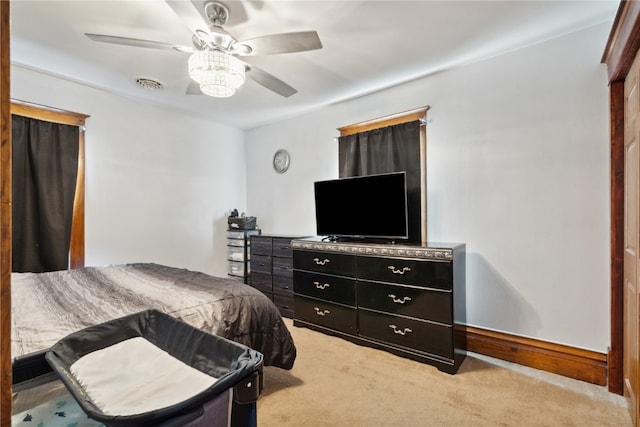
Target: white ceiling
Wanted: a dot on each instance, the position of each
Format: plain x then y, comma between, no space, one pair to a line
367,45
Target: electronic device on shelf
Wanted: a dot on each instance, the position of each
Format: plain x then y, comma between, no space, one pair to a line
362,207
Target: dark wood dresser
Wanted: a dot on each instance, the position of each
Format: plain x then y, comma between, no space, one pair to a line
405,299
272,269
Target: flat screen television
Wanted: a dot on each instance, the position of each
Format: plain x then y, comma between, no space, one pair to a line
370,206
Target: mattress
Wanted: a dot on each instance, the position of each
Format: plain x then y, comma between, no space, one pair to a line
49,306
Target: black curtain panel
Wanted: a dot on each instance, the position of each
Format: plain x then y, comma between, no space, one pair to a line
44,171
387,149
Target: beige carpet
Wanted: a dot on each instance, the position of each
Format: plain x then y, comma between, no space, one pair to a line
337,383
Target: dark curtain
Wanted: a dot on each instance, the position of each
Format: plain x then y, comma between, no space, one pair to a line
387,149
44,170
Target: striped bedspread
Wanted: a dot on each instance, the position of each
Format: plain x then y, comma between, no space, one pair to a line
48,306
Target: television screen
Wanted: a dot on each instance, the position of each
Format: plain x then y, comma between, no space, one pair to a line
372,206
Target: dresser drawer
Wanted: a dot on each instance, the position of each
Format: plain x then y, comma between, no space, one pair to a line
237,268
282,248
325,262
428,274
407,301
326,314
236,242
261,263
262,282
331,288
261,245
284,304
282,267
283,286
236,253
414,334
236,235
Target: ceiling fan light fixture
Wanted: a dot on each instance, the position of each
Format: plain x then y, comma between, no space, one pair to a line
218,73
214,84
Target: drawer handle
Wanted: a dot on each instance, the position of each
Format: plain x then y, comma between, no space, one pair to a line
321,312
319,286
396,271
323,262
400,331
398,300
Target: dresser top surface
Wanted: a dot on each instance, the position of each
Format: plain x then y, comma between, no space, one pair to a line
430,250
280,236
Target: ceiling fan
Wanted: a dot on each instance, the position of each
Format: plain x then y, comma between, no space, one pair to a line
215,66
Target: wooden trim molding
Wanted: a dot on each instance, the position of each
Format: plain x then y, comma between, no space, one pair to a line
48,114
6,399
621,49
76,245
56,115
616,208
584,365
624,40
391,120
423,179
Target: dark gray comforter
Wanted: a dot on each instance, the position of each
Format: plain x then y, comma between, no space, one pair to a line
49,306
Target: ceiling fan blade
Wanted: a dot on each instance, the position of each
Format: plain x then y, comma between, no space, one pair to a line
187,11
127,41
193,88
281,43
269,81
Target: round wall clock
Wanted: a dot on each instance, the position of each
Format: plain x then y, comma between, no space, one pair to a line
281,161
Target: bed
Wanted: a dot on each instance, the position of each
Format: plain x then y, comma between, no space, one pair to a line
49,306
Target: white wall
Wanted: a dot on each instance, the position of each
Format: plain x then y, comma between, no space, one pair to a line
517,169
159,184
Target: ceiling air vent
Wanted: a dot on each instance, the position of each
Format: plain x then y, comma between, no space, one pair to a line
149,83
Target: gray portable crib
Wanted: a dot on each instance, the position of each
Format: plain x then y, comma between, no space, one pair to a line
229,400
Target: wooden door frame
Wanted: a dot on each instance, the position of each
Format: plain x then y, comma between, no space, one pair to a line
5,220
621,49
